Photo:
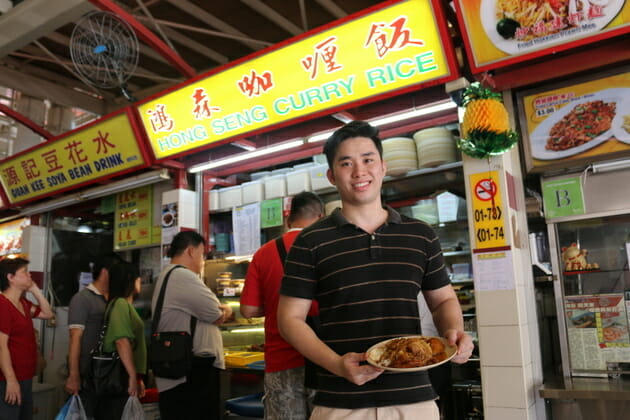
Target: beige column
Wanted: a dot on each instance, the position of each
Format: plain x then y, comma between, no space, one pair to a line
511,366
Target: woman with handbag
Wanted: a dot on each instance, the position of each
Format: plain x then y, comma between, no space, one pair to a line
18,347
125,332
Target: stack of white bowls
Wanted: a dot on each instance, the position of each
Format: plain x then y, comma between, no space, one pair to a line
435,146
399,153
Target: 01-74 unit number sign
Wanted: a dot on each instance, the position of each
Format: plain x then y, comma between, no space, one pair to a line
488,218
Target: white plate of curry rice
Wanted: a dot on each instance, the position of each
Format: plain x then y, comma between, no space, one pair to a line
411,353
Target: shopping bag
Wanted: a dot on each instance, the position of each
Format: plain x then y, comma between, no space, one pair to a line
72,410
133,410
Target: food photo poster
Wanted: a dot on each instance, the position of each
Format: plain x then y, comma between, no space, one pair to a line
576,124
502,32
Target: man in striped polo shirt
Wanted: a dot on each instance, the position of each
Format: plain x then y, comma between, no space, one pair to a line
365,265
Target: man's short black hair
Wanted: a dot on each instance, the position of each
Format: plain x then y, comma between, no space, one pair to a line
183,240
103,262
351,130
305,205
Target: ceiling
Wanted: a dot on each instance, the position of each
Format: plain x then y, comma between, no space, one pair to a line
35,34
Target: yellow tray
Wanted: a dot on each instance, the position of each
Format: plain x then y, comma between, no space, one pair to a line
243,358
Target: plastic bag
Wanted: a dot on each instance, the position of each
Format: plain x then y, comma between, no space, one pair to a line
72,410
133,410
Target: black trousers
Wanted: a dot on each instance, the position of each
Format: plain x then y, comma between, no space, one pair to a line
196,399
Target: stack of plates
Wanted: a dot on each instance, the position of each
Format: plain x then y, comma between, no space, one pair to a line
400,155
436,146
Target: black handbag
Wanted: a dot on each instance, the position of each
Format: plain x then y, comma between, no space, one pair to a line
107,375
170,352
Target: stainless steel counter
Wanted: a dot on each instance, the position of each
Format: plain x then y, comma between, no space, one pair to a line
587,398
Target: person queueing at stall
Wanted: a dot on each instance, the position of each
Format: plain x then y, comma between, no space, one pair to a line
286,397
197,395
125,333
85,319
365,265
18,346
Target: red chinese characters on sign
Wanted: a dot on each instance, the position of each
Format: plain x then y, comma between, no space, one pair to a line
52,160
560,21
255,84
202,107
391,37
160,120
11,175
102,143
326,52
76,153
30,169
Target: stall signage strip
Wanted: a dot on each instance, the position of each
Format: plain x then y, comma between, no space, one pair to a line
134,218
582,122
563,197
503,32
84,156
395,48
488,217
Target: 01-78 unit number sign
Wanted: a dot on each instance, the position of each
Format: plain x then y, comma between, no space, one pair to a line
488,219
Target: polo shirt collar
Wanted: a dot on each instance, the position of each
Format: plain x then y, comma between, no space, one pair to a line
93,289
339,220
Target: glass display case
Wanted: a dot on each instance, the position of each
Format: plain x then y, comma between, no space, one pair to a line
593,267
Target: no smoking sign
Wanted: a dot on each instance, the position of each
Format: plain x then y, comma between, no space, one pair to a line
487,210
485,189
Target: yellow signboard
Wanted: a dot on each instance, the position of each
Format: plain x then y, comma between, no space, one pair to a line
488,217
394,48
97,151
133,218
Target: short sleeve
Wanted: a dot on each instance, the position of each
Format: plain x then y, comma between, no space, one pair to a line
435,272
120,324
252,290
5,316
299,271
77,311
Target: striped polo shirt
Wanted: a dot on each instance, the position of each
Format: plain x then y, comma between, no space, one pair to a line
367,287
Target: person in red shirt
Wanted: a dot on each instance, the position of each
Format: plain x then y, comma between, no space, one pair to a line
285,394
18,347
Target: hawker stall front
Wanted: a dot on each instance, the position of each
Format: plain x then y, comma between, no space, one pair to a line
561,66
252,134
77,197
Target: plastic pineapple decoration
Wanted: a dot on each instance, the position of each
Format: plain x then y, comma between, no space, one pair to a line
486,128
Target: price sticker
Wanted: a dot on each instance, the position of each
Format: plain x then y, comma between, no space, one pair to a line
488,213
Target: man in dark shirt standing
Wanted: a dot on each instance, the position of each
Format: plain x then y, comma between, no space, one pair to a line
365,264
85,319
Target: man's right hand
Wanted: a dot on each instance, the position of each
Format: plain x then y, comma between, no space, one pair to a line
73,384
355,372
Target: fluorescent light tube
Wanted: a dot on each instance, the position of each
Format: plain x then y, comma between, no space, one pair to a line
613,165
246,156
432,109
125,184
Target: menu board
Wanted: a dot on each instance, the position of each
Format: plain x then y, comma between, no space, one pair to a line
597,327
133,218
503,32
576,124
